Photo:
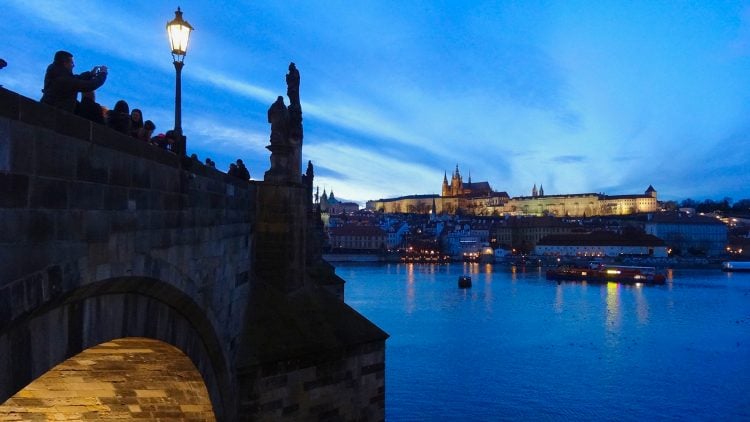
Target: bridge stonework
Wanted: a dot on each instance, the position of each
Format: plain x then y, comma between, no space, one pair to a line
103,237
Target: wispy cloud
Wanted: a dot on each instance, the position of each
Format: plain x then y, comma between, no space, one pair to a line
213,134
377,175
235,86
569,159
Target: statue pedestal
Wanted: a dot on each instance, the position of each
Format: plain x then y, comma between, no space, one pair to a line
286,162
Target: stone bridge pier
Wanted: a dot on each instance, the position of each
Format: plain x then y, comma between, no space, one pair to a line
104,239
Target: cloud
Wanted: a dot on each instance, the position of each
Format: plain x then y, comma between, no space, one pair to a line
569,159
239,87
376,175
212,134
325,172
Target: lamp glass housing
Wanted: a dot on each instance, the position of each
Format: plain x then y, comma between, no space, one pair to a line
179,35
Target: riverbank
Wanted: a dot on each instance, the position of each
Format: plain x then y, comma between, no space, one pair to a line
546,261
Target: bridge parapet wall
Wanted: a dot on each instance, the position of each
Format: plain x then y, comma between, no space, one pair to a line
81,204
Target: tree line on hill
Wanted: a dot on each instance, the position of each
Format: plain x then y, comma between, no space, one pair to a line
725,205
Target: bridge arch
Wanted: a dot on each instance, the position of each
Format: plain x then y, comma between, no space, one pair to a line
109,309
129,378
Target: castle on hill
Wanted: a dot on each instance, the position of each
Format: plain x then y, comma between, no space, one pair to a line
478,198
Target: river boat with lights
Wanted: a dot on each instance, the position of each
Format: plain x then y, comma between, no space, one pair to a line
735,266
607,273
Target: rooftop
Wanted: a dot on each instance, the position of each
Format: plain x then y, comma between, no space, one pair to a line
600,238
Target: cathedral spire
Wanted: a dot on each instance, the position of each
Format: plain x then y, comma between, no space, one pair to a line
541,190
534,192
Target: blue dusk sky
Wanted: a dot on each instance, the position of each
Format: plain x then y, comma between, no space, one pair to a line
579,96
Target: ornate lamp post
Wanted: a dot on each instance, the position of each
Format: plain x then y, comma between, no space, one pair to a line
179,34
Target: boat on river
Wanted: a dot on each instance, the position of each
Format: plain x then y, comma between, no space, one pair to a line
464,282
606,273
735,266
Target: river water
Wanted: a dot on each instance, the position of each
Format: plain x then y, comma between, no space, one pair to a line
518,347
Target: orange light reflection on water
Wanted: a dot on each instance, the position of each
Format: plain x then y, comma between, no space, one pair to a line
410,290
613,319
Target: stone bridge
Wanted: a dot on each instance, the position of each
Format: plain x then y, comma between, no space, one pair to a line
105,238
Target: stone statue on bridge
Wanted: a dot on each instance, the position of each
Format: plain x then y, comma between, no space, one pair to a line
292,84
278,117
295,107
286,134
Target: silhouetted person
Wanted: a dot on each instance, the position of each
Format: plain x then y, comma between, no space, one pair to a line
232,170
242,171
61,86
165,140
88,108
119,117
144,133
210,163
136,121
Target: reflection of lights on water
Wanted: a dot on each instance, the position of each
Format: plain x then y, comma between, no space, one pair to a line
613,305
670,278
558,299
641,305
410,289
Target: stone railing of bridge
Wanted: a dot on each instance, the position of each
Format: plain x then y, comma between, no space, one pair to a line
103,236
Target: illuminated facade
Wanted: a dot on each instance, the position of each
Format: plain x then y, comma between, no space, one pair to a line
479,199
601,244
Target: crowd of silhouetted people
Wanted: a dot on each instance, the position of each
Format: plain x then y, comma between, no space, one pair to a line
61,89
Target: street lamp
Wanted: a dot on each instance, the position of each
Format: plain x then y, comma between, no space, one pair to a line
179,34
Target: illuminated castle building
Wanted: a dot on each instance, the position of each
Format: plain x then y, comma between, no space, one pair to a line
479,199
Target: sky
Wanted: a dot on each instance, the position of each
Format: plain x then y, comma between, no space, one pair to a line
577,96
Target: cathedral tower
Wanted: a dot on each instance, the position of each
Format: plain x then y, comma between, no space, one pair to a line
457,185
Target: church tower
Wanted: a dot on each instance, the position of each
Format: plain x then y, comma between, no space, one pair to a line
457,185
541,190
534,192
446,189
324,201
